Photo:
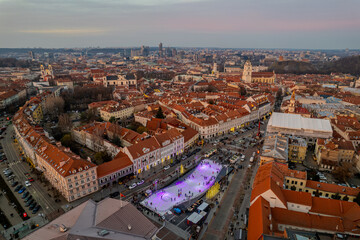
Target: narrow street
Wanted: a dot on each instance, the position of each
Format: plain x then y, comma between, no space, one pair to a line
19,168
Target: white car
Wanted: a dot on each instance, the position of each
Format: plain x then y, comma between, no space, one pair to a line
27,184
140,182
166,167
132,186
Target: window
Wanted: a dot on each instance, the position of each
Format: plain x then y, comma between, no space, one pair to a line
301,183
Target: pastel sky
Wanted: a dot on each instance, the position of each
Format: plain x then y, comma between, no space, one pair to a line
308,24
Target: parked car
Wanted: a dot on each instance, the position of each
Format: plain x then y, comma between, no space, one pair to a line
30,179
36,209
18,188
22,190
28,198
33,205
14,184
10,177
132,186
27,184
28,203
140,182
25,194
114,194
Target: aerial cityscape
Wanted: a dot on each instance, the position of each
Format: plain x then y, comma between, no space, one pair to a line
188,119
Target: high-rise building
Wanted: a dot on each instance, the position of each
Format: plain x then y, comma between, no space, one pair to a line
160,49
174,52
31,55
144,51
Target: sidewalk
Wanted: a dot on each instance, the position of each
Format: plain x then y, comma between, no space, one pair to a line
221,218
24,228
8,210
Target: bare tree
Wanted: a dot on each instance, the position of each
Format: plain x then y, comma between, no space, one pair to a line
54,106
344,171
65,122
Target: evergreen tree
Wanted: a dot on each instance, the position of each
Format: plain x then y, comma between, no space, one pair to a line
160,114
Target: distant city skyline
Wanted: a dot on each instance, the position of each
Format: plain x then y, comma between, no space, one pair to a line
284,24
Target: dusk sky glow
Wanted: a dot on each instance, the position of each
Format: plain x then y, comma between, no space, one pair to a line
314,24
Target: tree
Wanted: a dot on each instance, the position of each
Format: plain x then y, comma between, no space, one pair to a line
101,157
54,106
65,122
112,119
357,199
66,140
116,140
242,91
141,129
211,88
344,172
160,113
278,94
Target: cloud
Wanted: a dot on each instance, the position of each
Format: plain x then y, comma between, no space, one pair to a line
81,31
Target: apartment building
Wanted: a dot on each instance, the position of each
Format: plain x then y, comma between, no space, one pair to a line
117,111
279,203
332,152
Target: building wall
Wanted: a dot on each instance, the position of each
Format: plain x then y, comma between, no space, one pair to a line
115,176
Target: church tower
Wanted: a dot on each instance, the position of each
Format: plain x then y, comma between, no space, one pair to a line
246,76
291,108
42,71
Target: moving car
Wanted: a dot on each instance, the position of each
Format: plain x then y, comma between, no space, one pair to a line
166,167
132,186
140,182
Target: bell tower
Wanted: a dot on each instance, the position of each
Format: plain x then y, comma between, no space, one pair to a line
291,108
246,76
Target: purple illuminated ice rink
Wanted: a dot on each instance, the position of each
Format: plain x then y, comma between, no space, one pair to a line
195,184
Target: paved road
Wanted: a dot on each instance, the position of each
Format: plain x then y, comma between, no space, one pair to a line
19,167
220,221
